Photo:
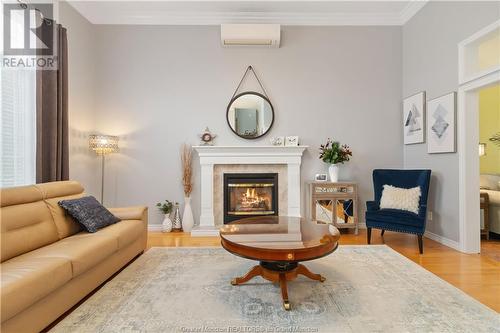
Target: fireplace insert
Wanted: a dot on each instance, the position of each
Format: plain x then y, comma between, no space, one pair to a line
250,195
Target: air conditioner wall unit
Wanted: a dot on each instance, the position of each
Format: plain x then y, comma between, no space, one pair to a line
250,35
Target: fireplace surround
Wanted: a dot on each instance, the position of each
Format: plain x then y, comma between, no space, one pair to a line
249,159
250,195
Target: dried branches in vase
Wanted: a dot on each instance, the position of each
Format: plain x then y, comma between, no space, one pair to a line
187,168
187,172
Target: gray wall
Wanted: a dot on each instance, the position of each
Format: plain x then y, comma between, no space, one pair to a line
83,163
159,86
430,63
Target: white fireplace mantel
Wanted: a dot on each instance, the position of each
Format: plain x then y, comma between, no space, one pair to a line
213,155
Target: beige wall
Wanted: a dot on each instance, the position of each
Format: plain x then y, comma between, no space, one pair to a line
430,63
160,86
83,164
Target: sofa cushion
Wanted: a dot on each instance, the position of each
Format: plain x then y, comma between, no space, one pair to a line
19,195
126,232
53,193
89,213
27,279
65,224
84,250
59,189
25,227
395,216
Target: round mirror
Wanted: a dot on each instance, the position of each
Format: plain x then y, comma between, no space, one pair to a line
250,115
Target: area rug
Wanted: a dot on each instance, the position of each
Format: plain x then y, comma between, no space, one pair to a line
368,289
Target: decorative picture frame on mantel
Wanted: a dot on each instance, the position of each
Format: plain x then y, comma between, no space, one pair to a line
441,124
292,141
278,141
414,119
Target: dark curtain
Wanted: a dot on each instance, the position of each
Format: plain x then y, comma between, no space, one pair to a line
52,152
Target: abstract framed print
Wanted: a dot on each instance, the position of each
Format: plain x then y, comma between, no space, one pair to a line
441,122
414,119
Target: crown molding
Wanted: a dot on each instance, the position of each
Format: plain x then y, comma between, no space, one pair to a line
147,16
217,18
410,10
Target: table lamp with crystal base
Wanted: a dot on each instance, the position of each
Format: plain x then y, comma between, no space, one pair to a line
103,145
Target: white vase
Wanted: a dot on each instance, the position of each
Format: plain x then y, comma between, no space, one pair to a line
166,225
187,216
333,170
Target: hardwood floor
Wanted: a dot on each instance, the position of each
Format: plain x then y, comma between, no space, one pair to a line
491,248
476,274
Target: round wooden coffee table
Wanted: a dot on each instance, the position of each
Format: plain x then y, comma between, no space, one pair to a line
279,244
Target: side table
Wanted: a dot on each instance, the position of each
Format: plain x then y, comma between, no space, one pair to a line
335,203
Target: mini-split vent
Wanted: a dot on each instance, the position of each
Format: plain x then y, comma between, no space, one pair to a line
267,35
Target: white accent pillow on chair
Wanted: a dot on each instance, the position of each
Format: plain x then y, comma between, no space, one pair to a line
400,198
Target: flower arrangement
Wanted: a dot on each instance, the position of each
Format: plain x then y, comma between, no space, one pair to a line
187,169
334,153
165,207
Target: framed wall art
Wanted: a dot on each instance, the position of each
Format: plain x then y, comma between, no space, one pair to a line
441,114
414,119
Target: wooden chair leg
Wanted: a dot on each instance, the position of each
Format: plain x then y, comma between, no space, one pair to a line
420,244
368,235
382,232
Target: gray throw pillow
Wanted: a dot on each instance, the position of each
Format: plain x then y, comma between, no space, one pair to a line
89,213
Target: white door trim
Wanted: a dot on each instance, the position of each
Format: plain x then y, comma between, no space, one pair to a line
468,152
468,135
463,52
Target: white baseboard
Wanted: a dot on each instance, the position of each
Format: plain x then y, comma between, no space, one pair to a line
212,231
154,227
204,231
443,240
196,232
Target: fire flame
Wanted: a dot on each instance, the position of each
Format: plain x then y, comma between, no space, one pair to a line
251,196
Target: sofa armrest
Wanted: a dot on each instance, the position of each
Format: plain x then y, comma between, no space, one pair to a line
134,213
372,206
131,213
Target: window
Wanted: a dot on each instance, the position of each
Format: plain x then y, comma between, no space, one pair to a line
480,53
18,126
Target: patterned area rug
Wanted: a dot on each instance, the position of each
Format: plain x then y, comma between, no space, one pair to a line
368,289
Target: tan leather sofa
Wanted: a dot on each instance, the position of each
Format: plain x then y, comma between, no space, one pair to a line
48,263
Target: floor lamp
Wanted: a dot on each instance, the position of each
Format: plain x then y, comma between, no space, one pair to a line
103,145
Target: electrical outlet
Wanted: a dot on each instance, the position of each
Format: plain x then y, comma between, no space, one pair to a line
429,216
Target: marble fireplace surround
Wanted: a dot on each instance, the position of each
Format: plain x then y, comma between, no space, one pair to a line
215,160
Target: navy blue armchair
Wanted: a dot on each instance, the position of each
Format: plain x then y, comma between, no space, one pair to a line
393,219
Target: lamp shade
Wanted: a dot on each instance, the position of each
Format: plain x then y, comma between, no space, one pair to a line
103,144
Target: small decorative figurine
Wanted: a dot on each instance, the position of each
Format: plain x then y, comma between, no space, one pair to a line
207,138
